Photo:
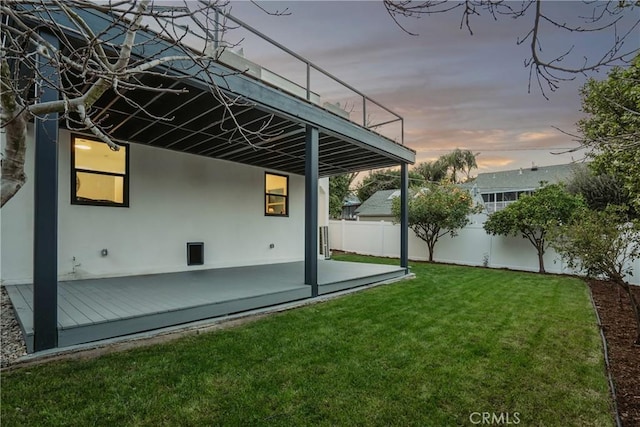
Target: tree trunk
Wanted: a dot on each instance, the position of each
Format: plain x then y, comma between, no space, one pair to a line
14,120
13,176
541,262
540,249
430,246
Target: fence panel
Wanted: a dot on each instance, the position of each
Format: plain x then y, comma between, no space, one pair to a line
472,246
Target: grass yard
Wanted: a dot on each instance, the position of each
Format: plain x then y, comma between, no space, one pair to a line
429,351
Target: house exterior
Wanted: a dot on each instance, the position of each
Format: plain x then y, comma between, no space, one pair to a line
172,199
496,190
182,195
349,206
378,207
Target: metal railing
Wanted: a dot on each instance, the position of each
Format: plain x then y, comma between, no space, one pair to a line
212,38
365,100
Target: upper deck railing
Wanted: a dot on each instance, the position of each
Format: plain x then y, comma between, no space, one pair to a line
294,74
317,84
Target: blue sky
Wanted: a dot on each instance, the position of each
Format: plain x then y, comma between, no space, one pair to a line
452,88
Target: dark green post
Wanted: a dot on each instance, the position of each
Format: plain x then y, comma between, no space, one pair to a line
311,210
404,217
45,217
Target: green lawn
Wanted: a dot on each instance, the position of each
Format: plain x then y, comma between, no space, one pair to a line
428,351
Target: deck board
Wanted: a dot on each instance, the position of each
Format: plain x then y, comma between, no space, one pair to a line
99,300
81,304
91,307
95,309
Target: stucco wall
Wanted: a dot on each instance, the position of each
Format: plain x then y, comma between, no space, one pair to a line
175,198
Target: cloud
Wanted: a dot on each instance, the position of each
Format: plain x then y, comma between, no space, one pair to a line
489,163
534,136
453,89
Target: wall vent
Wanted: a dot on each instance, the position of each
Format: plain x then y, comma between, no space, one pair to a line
195,253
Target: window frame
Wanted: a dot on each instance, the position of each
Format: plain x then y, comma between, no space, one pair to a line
74,174
267,194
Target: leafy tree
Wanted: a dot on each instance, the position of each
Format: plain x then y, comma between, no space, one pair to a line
602,243
437,210
612,128
434,171
339,188
532,216
597,190
386,179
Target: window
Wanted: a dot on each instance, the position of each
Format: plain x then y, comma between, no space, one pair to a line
276,190
510,196
489,197
99,175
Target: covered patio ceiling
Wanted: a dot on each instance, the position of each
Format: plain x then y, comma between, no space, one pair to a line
197,122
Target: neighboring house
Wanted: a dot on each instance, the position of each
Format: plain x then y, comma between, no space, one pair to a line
496,190
182,196
493,189
378,206
349,206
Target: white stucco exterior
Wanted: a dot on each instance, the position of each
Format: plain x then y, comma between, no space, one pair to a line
175,198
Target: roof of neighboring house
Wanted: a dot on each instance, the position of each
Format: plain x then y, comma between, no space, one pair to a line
521,179
379,204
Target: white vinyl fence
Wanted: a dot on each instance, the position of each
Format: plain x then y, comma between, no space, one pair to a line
472,246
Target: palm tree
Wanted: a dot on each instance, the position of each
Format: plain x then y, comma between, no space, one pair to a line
469,163
460,161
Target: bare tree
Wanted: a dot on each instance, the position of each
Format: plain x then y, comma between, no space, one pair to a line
89,62
546,71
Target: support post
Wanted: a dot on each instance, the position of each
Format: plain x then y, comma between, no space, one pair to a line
216,30
45,218
308,81
311,210
404,217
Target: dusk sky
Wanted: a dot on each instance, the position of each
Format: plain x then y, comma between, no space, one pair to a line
452,88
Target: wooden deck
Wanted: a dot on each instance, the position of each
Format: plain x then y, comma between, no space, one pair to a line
96,309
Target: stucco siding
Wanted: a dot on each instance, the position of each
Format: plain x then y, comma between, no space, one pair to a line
175,198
